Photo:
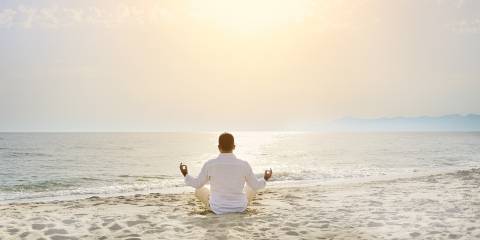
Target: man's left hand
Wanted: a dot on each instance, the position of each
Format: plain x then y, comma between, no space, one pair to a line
268,174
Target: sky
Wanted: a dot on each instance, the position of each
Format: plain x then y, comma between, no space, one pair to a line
146,65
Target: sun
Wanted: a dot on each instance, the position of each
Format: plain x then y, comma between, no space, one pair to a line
251,15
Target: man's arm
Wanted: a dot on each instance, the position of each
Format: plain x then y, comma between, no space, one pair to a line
252,181
199,181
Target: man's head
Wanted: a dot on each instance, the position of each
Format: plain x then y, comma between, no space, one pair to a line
226,143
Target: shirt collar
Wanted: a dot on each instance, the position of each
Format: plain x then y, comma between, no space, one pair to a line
226,155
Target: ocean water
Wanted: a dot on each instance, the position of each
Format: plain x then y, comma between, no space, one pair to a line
50,166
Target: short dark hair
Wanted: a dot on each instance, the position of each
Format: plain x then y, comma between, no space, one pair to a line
226,142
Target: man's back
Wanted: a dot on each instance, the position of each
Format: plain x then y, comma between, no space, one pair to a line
227,176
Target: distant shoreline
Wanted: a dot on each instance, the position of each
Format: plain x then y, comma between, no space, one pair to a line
452,122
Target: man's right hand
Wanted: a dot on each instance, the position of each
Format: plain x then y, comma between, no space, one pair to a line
183,169
268,174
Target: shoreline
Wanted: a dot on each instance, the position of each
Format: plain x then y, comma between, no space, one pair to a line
445,206
273,184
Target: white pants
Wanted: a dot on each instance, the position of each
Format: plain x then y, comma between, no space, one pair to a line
203,194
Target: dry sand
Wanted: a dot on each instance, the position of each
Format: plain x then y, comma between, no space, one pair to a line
444,206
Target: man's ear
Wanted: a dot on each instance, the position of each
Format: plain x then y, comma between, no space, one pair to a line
219,149
233,147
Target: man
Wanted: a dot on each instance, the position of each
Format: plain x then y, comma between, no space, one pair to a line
227,176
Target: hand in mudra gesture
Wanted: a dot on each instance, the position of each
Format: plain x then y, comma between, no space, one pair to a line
183,169
268,174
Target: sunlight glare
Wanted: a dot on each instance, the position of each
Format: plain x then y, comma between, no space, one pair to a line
251,15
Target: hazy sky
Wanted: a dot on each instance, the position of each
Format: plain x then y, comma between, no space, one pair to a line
233,65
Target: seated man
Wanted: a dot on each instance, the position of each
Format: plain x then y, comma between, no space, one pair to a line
227,176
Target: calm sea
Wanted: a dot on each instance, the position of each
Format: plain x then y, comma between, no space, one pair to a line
49,166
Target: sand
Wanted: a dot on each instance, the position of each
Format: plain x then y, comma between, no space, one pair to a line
443,206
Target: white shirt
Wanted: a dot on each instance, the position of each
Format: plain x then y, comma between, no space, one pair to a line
227,176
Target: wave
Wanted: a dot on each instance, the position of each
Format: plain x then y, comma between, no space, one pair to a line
147,176
83,187
363,175
27,154
50,185
85,192
327,174
37,187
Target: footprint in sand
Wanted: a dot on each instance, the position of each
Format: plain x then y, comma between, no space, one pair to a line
292,233
37,226
292,224
107,221
60,237
68,221
414,234
374,224
324,225
454,236
115,227
93,227
12,231
131,236
375,203
55,231
24,234
133,223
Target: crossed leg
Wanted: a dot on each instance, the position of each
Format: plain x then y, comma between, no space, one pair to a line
203,194
250,193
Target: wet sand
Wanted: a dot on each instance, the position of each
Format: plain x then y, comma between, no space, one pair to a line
443,206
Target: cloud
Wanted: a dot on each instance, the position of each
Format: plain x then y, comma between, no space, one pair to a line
61,17
466,26
25,16
6,17
454,3
49,16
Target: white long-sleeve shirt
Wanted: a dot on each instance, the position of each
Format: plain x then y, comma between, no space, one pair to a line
227,176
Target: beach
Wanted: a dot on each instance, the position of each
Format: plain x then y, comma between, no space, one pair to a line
352,119
441,206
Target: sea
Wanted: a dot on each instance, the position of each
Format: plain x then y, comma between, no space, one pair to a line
63,166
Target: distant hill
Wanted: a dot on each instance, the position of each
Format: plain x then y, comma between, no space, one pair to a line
454,122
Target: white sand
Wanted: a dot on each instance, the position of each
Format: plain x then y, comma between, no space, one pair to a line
444,206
